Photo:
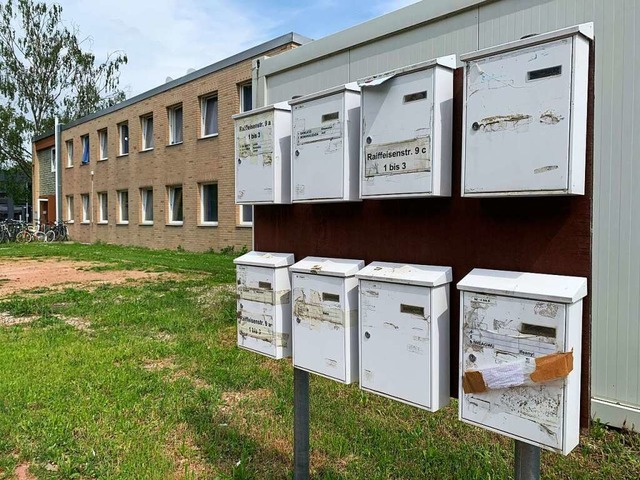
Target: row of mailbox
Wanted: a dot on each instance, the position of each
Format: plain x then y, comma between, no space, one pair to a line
387,325
390,135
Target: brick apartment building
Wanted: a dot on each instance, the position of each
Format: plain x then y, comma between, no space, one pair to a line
157,170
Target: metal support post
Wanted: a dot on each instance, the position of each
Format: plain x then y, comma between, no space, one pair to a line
527,460
300,424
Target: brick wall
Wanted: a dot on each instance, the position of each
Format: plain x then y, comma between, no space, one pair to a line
195,161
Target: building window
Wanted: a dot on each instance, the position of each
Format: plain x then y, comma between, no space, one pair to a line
123,206
123,130
246,215
246,98
146,197
85,149
208,203
175,124
175,205
69,144
53,160
209,107
147,131
70,208
104,144
103,207
86,208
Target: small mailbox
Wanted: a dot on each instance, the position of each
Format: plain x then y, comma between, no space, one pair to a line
520,350
264,303
325,138
263,158
525,116
404,332
325,317
406,131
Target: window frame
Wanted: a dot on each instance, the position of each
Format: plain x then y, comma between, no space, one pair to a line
70,207
52,152
171,189
144,199
241,89
103,144
103,208
203,115
69,145
86,149
122,139
241,221
201,213
144,120
171,114
86,207
120,219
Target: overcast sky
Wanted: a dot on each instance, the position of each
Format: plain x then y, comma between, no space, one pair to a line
164,38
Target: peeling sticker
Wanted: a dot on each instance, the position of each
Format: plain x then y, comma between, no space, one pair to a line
254,138
326,132
370,293
498,123
548,168
331,363
300,189
415,349
368,375
313,312
391,325
549,310
263,295
260,327
267,159
550,118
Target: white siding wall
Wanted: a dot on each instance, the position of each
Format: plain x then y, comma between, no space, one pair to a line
616,224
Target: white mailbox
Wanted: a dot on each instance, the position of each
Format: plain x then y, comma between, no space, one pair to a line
520,350
325,139
263,158
525,116
406,131
325,317
404,332
264,303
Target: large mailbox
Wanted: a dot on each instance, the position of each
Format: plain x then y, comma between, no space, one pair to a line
407,117
264,303
325,140
520,351
325,317
404,332
263,157
525,116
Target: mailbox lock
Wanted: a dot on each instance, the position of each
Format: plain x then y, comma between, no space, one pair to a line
297,153
475,126
369,140
472,358
298,319
239,161
367,335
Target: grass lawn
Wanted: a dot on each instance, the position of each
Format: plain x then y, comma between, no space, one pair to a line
143,380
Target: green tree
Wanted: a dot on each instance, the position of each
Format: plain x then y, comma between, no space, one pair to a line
45,72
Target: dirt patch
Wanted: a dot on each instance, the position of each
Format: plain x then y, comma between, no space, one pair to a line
22,472
78,324
25,274
174,373
186,455
8,320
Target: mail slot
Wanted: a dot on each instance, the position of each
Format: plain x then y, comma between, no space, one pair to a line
325,317
404,332
263,295
406,131
325,133
525,115
263,158
520,352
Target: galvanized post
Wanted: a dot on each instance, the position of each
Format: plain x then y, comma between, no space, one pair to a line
527,461
300,424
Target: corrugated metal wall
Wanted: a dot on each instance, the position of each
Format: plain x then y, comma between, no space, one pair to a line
616,224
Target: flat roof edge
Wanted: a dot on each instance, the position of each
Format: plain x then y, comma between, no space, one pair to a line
248,54
405,18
